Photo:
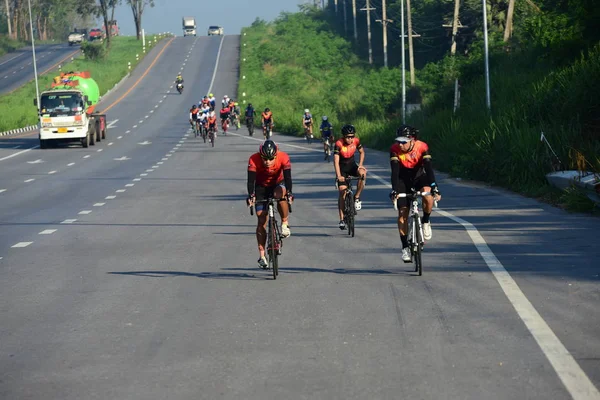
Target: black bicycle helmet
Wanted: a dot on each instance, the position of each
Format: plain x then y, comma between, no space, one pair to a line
348,129
267,109
268,149
194,107
406,131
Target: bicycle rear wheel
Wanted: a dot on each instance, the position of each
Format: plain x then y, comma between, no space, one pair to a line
272,248
417,249
349,213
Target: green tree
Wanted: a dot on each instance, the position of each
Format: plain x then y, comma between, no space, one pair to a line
137,8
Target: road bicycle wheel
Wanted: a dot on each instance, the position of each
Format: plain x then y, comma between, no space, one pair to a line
349,213
417,246
272,248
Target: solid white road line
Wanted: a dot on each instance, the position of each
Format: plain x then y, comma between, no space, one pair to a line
20,152
212,81
577,383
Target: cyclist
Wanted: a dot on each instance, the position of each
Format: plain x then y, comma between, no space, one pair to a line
224,117
411,166
250,113
345,165
326,134
269,175
201,121
205,102
212,100
225,101
212,122
179,79
266,119
307,121
205,109
194,115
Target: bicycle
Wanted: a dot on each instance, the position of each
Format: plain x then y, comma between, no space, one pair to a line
349,206
268,131
274,240
328,147
204,132
234,121
307,135
250,125
416,242
225,125
211,135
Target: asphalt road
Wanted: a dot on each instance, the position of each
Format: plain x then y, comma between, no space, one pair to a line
129,272
16,68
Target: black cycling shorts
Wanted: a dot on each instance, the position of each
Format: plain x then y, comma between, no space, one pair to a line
418,182
349,169
264,193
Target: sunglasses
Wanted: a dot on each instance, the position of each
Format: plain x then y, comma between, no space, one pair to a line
268,158
349,137
404,140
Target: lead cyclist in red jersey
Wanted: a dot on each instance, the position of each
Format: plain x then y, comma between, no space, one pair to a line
411,166
269,175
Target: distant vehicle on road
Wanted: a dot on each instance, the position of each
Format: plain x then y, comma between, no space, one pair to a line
189,26
113,28
215,30
96,34
76,38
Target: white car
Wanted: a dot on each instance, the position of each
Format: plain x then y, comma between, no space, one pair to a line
215,30
76,37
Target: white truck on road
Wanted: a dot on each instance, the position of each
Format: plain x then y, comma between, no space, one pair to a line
67,111
189,26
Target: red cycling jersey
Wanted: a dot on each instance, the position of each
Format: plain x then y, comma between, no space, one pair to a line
411,160
346,151
269,176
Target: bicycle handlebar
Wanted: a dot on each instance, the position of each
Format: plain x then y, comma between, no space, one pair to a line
413,195
275,199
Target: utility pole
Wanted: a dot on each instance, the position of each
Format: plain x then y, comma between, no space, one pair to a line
336,9
455,26
403,64
411,56
368,10
488,100
354,16
345,19
384,21
8,20
509,21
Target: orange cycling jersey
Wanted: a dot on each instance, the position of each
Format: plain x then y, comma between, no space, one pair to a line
267,115
212,120
346,151
194,111
269,176
414,158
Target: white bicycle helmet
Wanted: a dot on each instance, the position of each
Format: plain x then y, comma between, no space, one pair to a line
324,117
306,110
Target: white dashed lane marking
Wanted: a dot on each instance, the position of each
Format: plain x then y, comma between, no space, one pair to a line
137,179
51,172
2,190
70,164
29,180
130,185
86,156
120,190
69,221
99,204
85,212
110,197
47,232
21,244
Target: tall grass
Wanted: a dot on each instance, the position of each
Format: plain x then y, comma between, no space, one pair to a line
17,107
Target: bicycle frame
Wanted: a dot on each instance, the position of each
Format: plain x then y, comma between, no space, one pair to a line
274,244
415,236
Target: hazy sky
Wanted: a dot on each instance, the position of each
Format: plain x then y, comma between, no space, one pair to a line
232,15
